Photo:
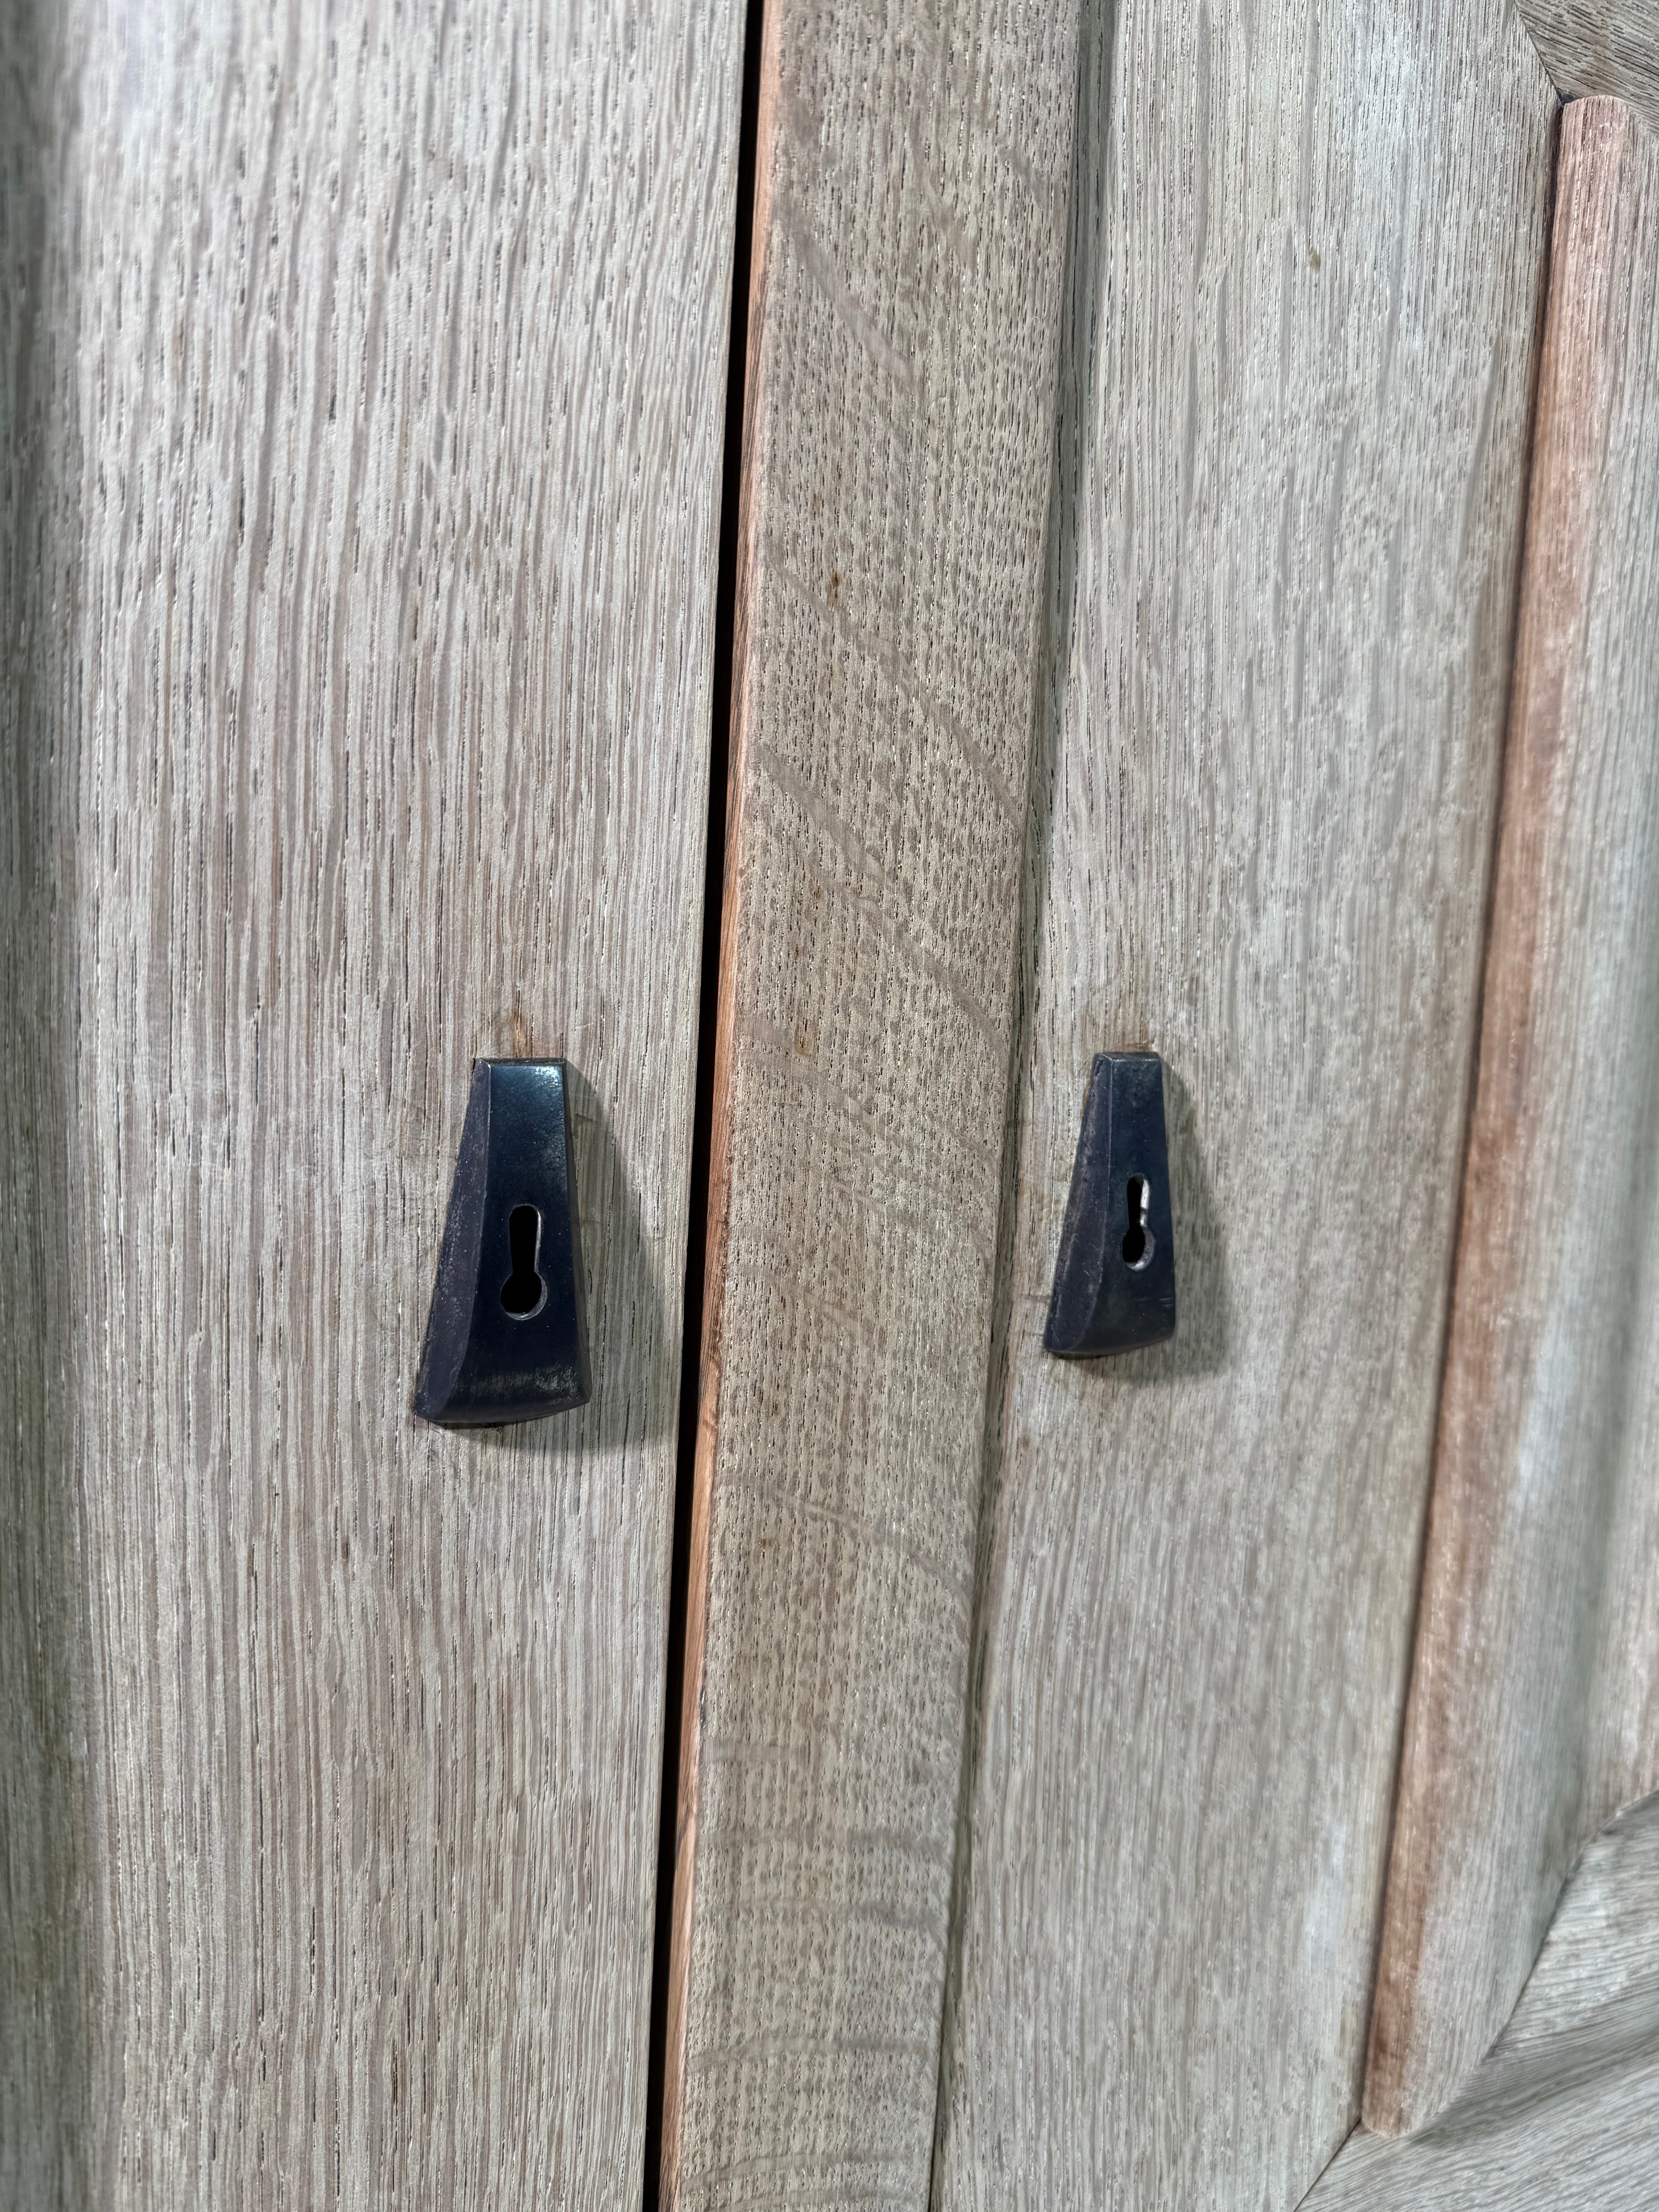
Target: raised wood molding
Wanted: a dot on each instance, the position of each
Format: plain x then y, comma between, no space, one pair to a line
913,169
1535,1704
1300,347
1564,2109
361,374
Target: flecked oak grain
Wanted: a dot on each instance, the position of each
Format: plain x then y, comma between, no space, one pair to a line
1600,46
912,166
362,371
1300,339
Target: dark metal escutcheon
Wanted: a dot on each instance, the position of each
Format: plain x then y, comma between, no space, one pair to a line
1114,1286
507,1338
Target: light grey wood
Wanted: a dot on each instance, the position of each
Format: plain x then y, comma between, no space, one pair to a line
363,388
1535,1704
1290,482
1564,2111
1600,47
913,167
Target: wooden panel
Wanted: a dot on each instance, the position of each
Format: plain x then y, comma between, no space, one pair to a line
1292,465
1565,2109
912,177
1601,46
1534,1708
364,379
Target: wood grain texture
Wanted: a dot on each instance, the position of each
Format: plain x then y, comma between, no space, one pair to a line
364,382
912,173
1600,46
1564,2111
1291,467
1535,1704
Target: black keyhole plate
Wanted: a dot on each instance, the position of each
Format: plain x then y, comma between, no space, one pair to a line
1115,1278
507,1338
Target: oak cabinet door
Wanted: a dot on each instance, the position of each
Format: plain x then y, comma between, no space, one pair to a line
364,388
1042,1719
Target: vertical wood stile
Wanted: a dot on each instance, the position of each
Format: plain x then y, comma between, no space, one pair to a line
913,167
1535,1702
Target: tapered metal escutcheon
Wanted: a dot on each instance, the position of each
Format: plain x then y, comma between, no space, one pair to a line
506,1337
1115,1288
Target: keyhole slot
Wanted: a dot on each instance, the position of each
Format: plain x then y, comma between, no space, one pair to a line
1139,1242
523,1293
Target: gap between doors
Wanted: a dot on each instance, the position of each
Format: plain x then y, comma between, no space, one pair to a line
696,1241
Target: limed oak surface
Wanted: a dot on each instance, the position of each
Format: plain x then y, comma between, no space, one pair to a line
1535,1703
1562,2114
912,166
1302,319
362,374
1600,47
